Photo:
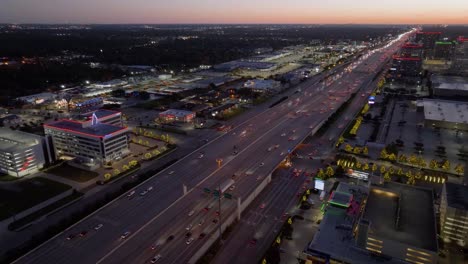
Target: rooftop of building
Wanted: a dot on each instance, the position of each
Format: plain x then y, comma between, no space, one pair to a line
12,140
101,113
177,112
457,195
450,82
335,235
96,130
392,212
444,110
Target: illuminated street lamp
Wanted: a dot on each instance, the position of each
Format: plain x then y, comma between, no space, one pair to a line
219,161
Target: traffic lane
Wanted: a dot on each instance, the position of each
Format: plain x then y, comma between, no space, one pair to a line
257,222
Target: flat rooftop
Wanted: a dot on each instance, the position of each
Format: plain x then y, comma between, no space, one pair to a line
335,239
450,82
177,113
97,130
443,110
101,113
457,195
12,140
402,213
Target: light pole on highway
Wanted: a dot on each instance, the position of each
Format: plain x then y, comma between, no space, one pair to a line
219,161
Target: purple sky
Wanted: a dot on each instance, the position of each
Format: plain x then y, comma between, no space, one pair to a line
239,11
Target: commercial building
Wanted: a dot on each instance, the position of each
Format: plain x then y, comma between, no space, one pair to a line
103,116
37,98
460,59
263,86
411,50
89,143
443,50
21,153
389,223
448,86
86,105
445,114
427,39
174,115
406,69
454,214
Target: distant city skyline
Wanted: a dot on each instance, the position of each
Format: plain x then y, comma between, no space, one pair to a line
238,12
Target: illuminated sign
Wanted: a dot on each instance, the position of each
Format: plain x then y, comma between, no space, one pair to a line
319,184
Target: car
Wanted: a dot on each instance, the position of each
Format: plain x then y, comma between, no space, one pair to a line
170,238
70,237
125,235
189,227
171,172
201,222
262,205
217,213
232,187
201,236
290,139
188,234
191,213
83,233
130,193
189,241
98,227
206,209
277,146
283,135
282,153
215,221
253,242
270,149
261,164
143,193
150,189
156,258
201,156
154,246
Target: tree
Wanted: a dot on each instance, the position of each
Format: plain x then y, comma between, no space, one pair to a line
357,150
107,176
330,172
348,148
365,167
422,163
382,169
392,157
383,154
459,169
320,174
148,155
156,152
387,177
133,163
125,168
116,172
400,171
402,158
413,159
365,150
374,167
433,164
358,165
446,165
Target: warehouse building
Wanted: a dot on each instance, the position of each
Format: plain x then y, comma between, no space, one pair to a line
445,114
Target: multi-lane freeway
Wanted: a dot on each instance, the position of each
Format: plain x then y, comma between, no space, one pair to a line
173,225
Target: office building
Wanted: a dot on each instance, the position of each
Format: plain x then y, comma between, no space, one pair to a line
460,58
174,115
89,143
443,50
427,39
406,69
411,50
103,116
449,86
388,223
454,214
21,153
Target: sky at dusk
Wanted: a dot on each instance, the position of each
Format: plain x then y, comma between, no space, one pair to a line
238,11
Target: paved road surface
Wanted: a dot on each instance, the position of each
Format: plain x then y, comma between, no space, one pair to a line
163,212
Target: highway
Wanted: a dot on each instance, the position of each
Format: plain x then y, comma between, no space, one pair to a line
160,217
263,224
